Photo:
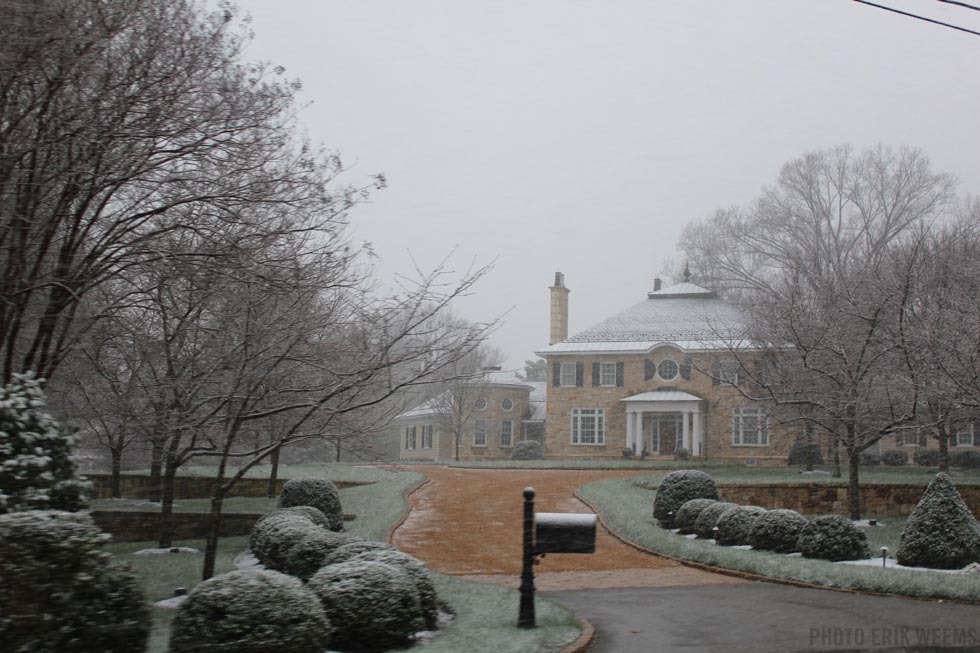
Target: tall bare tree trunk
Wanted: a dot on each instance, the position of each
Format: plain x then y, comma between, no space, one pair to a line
837,470
115,483
167,497
156,468
214,527
274,474
943,447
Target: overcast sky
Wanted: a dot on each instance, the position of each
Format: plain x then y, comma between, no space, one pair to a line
580,136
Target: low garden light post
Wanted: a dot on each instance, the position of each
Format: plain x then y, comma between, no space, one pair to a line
884,555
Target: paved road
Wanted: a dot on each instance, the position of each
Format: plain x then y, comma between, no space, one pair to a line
766,617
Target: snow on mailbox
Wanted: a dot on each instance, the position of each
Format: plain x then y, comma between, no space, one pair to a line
564,532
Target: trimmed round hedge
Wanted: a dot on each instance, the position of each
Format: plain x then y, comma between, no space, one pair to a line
371,606
688,513
735,523
676,489
834,538
895,458
250,611
313,551
777,530
276,535
419,574
926,457
60,592
527,450
869,458
705,523
968,459
804,453
941,532
352,550
317,492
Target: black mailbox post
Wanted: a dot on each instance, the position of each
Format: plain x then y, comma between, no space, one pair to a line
549,532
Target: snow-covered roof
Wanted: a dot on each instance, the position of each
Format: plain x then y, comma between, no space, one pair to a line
493,377
506,377
663,395
684,315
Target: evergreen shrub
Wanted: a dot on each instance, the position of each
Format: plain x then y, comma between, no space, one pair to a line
676,489
834,538
705,524
735,524
527,450
317,492
777,530
941,532
688,513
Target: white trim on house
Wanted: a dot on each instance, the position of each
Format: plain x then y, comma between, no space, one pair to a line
598,430
666,401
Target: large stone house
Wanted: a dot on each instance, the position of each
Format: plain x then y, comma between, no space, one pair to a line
656,377
491,414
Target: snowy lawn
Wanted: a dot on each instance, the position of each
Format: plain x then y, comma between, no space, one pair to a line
332,471
627,509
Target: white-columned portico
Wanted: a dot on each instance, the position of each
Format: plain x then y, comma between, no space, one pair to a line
686,405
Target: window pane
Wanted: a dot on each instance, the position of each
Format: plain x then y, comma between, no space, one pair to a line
607,374
667,369
568,374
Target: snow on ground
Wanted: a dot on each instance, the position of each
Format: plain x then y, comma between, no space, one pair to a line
246,560
866,523
891,563
175,549
173,603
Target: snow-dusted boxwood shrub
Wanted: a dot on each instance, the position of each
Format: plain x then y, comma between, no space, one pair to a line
869,458
676,489
688,513
273,540
968,459
777,530
941,532
60,592
354,549
705,523
895,458
735,523
312,551
805,453
833,537
527,450
419,574
250,611
36,466
317,492
311,513
371,606
926,457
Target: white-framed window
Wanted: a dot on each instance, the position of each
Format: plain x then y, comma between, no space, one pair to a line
908,438
967,435
668,369
750,427
481,404
607,373
506,433
480,433
426,436
410,434
588,426
568,375
507,404
730,373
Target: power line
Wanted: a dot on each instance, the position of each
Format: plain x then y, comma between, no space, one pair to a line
960,4
918,17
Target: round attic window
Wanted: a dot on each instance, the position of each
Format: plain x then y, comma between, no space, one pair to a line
667,370
481,404
507,404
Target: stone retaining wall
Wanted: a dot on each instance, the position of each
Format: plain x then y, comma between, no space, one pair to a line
188,487
145,526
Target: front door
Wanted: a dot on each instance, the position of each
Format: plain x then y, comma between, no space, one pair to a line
666,433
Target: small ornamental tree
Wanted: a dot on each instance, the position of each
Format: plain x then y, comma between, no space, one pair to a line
941,533
250,611
317,492
371,606
735,523
834,538
688,513
60,592
36,466
676,489
705,524
777,530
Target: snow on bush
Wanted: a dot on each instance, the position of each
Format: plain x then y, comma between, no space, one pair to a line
371,606
834,538
869,458
36,466
926,457
735,524
312,551
250,611
941,532
688,513
417,572
805,453
777,530
313,514
273,538
895,458
968,459
60,592
527,450
317,492
354,549
676,489
705,523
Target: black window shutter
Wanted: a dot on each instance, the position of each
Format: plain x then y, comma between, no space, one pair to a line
715,373
923,439
556,375
898,439
686,368
649,369
595,374
580,374
620,373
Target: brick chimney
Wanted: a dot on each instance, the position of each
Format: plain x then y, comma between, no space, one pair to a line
559,310
656,284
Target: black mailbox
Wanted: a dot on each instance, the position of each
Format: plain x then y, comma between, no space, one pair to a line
564,532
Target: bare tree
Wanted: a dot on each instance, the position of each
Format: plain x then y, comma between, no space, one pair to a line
463,392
